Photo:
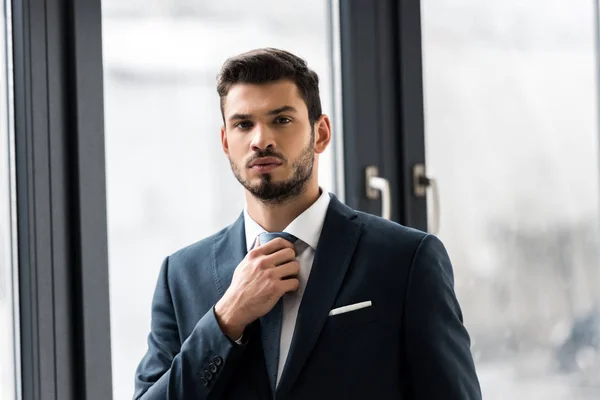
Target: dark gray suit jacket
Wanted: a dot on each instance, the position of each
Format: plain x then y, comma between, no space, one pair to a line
410,344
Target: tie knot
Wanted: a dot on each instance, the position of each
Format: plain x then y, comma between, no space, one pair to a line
266,237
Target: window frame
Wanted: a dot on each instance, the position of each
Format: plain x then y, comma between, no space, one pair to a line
61,206
383,116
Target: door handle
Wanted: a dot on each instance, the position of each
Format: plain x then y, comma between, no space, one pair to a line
375,185
421,182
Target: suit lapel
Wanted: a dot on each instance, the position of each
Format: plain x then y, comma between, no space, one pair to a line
338,240
229,249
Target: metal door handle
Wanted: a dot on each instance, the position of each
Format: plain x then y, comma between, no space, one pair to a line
375,185
421,182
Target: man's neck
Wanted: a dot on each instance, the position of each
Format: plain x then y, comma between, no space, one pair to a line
275,217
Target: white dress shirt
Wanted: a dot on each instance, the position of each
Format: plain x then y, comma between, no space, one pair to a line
306,227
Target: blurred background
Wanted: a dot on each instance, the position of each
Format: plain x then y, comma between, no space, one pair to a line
510,113
511,127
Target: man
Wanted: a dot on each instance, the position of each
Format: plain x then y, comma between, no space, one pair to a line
302,297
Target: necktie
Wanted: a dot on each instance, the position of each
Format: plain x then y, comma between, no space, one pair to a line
270,323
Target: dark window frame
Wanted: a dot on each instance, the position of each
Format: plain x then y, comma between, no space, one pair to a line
383,103
61,206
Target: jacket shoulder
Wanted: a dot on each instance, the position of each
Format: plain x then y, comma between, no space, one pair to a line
386,230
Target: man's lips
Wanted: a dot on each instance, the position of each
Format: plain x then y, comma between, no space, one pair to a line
265,164
265,161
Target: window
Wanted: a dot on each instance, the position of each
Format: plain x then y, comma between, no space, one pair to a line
168,183
512,138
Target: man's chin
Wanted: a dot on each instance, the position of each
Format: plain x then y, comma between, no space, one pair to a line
265,180
265,187
268,191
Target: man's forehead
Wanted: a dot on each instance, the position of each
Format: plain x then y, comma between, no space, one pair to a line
246,98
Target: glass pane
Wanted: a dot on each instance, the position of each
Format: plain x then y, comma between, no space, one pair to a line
168,183
512,137
9,347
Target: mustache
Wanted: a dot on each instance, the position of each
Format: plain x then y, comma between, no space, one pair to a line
265,153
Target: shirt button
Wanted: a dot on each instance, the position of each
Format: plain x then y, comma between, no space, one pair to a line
204,381
212,367
208,375
218,361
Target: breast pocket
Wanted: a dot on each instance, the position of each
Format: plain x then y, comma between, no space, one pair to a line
355,317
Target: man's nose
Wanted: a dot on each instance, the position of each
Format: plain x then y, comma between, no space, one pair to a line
262,139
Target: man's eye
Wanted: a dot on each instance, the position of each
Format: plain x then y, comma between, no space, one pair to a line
244,125
282,120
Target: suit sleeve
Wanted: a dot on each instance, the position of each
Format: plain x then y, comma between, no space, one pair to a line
198,368
437,344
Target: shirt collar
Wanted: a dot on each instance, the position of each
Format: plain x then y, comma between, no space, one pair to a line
306,227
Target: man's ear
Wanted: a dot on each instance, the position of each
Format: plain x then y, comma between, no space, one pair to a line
322,133
224,141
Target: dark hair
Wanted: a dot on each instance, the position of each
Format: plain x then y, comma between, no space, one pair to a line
269,65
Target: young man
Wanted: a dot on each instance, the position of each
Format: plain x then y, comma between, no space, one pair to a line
302,297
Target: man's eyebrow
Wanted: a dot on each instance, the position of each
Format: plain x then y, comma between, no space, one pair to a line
240,116
276,111
282,109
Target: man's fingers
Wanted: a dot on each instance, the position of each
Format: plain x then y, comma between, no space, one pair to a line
290,269
290,285
280,257
274,245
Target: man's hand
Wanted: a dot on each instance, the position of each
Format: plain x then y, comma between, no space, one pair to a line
264,275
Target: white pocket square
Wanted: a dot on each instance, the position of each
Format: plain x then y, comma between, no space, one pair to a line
351,307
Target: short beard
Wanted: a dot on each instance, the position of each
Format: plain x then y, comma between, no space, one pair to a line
273,193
